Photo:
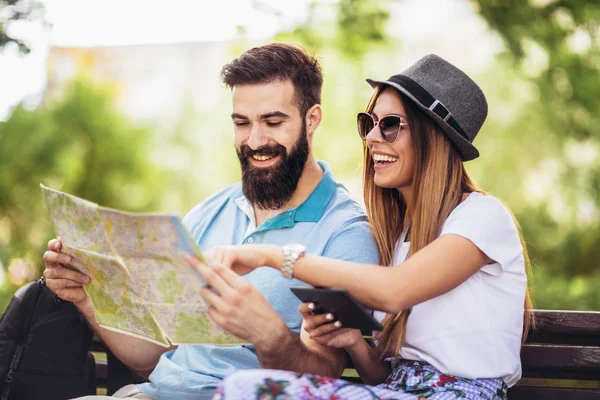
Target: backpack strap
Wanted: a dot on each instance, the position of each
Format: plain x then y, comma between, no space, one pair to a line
41,283
14,364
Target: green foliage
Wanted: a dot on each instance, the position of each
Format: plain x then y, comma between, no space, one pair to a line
553,137
361,25
18,10
358,27
79,144
563,36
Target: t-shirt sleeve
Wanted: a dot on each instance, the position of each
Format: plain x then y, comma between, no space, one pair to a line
486,222
353,242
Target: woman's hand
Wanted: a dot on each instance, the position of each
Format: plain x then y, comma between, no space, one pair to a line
245,258
323,329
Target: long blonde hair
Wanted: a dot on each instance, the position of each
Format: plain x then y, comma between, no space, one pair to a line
440,180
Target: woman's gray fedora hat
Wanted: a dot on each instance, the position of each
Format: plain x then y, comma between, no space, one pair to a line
448,96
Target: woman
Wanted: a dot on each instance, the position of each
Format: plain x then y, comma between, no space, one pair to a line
456,301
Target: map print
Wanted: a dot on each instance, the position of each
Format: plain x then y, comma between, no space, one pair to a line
139,283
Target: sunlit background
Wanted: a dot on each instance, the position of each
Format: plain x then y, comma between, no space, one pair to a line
120,102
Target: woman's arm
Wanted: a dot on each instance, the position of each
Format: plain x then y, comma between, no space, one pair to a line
434,270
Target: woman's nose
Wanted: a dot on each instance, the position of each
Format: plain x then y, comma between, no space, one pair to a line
374,135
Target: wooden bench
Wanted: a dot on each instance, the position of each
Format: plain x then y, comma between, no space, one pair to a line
561,360
564,348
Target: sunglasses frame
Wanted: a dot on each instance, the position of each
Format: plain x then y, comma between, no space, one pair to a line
378,124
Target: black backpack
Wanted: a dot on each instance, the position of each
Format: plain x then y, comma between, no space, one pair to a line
44,348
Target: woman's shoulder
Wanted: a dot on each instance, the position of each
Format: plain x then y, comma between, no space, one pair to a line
482,199
488,223
483,215
479,204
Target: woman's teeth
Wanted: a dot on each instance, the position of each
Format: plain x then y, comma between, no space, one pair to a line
379,158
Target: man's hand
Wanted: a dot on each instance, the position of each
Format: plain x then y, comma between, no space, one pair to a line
237,306
65,283
140,355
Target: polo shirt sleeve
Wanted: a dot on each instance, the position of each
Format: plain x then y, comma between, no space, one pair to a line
353,241
488,224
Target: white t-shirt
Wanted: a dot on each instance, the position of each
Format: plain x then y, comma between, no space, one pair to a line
474,330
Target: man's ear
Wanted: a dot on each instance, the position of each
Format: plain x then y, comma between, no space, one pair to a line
313,118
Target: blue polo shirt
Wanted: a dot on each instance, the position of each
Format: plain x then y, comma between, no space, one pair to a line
329,223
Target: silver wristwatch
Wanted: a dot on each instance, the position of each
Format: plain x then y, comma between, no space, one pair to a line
291,253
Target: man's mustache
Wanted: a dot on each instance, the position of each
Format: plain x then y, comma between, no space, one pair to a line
270,150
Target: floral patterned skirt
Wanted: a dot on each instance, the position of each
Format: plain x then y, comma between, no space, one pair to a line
409,380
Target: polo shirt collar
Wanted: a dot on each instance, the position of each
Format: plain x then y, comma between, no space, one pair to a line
312,208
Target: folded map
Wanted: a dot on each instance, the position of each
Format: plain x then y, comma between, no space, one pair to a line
139,282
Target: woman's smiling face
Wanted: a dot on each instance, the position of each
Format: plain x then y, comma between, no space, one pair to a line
394,163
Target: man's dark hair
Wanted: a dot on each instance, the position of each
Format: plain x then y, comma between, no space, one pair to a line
278,61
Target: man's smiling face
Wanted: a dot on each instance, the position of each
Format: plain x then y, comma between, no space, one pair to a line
271,141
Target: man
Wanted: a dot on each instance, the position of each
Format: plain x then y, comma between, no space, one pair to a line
286,196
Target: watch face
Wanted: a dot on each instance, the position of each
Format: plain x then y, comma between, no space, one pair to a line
296,248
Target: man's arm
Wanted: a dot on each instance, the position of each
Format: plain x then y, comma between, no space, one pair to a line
285,350
304,354
238,307
138,354
141,356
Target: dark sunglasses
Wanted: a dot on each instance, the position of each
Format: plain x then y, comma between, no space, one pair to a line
389,126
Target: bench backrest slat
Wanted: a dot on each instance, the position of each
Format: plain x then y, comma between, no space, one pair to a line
550,393
566,327
559,361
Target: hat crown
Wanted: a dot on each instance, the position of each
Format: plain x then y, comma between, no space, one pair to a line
454,89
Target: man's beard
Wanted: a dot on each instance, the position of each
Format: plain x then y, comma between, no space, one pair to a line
270,188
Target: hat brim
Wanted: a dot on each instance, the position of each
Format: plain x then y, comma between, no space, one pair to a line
465,148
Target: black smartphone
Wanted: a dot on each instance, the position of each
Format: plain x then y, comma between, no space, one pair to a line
341,304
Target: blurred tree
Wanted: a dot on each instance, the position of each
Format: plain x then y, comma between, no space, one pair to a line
18,10
555,43
554,48
352,27
79,144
